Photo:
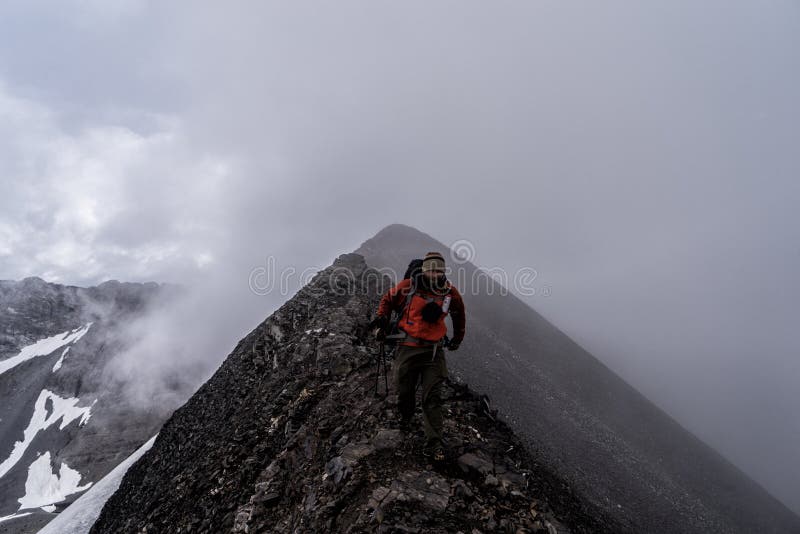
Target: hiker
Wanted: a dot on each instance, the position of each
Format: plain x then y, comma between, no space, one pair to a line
423,301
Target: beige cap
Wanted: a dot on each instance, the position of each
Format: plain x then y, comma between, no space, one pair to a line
433,261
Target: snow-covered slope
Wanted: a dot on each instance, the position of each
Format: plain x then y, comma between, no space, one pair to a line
63,424
44,347
79,517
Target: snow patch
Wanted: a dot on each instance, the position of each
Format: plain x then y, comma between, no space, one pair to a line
50,508
67,410
44,487
13,516
43,347
79,516
60,361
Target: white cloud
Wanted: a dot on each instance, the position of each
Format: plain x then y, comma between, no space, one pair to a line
104,201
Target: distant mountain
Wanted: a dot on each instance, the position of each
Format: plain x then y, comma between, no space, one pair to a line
63,423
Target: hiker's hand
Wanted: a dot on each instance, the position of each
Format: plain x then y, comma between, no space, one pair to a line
379,322
453,345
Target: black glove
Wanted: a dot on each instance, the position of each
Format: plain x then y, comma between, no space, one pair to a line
381,324
453,345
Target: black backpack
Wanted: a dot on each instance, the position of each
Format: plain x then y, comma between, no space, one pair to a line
414,270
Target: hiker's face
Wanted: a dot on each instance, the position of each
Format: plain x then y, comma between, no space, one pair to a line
435,277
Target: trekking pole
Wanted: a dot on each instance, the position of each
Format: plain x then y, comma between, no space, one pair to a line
445,343
381,361
385,370
378,369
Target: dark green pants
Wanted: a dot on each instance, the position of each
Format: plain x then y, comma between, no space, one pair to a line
415,364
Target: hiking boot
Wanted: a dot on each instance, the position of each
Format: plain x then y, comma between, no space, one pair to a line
434,451
405,426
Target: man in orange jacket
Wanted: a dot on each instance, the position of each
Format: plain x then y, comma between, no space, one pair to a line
423,304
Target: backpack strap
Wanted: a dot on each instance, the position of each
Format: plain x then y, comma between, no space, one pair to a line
406,303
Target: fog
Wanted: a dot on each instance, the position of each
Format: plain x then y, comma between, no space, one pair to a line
641,157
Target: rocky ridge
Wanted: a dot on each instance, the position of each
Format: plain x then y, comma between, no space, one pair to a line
289,436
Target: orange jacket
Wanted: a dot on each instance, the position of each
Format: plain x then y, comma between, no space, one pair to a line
411,320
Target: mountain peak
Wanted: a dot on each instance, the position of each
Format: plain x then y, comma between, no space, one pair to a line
395,245
33,281
399,231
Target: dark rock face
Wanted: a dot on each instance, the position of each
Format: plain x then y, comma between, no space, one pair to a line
289,436
32,310
610,443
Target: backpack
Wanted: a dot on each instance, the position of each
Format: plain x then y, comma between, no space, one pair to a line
414,271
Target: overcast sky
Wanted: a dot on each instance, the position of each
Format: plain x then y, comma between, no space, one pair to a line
641,156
